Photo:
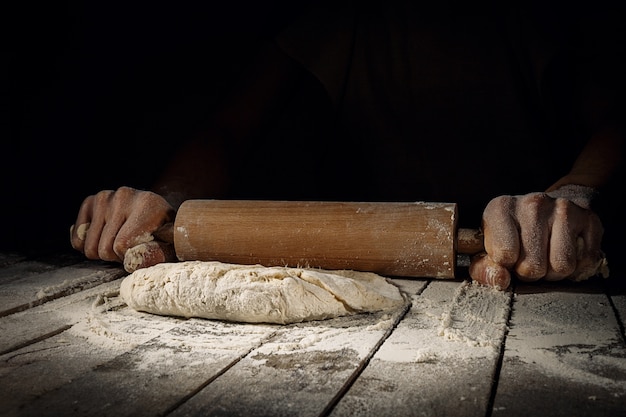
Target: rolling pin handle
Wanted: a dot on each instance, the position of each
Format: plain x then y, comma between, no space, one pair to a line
469,241
165,233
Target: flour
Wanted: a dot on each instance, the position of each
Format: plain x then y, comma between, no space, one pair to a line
444,325
256,294
81,231
478,315
564,335
134,257
552,332
110,324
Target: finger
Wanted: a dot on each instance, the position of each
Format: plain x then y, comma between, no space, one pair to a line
590,258
488,272
119,203
141,224
562,248
592,235
78,238
108,236
78,231
148,254
533,212
98,220
501,236
81,231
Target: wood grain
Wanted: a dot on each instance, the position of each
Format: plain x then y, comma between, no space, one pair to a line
394,239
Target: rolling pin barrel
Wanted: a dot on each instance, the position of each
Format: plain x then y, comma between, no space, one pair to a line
395,239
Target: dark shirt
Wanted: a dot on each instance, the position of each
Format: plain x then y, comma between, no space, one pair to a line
452,102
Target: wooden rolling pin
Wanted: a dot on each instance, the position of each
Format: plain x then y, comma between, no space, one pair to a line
395,239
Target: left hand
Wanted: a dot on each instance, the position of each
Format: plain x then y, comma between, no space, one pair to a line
112,222
538,236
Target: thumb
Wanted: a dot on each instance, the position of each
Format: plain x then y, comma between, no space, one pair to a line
487,272
148,254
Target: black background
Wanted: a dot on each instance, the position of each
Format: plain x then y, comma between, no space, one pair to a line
98,94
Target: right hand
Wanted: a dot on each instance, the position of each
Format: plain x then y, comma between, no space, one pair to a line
109,223
549,236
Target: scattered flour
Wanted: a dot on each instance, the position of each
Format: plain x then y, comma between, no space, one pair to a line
107,322
557,333
110,324
445,325
566,335
478,315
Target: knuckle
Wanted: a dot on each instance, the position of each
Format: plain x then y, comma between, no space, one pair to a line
102,197
506,257
87,203
121,196
563,208
125,192
532,205
499,204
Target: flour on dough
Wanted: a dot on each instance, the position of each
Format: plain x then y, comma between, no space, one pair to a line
256,294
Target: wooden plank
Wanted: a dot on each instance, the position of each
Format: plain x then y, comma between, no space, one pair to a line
28,326
31,283
14,264
16,271
441,359
616,289
619,302
9,258
155,376
564,354
300,371
161,372
52,344
41,368
89,307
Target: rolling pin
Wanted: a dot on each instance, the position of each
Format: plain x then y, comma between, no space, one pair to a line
410,239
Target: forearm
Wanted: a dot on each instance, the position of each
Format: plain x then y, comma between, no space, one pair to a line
198,170
202,167
598,162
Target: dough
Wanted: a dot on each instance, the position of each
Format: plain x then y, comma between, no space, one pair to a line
81,231
256,294
148,253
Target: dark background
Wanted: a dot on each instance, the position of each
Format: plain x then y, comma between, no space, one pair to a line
98,94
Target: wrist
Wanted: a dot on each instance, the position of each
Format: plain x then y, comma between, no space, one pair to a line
581,195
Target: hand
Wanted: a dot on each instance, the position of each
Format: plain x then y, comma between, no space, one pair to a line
109,223
539,236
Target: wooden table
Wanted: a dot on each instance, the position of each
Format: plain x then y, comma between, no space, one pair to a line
70,346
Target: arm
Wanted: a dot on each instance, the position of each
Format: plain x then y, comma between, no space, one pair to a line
112,222
556,234
200,169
